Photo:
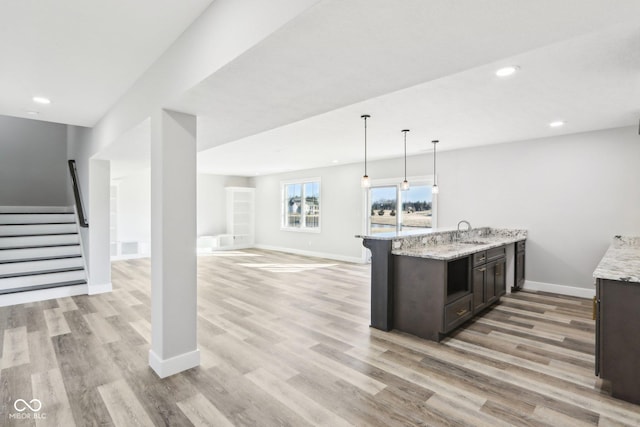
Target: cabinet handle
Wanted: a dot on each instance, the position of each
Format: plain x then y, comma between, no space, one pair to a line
461,312
595,305
483,269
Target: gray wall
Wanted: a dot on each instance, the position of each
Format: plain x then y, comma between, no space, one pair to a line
341,202
212,211
573,193
134,205
33,163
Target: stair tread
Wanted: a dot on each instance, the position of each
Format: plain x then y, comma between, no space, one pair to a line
46,286
36,213
45,258
38,246
36,223
38,235
38,273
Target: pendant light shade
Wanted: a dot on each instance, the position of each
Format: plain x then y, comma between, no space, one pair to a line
405,184
434,189
365,182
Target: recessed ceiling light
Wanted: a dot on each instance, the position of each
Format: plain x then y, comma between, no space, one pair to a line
41,100
334,161
556,124
507,71
32,113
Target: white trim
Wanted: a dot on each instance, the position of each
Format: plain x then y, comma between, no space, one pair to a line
173,365
42,295
100,289
283,210
355,260
573,291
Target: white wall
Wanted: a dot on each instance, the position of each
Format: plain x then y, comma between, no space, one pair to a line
573,193
134,210
134,205
212,213
340,209
33,163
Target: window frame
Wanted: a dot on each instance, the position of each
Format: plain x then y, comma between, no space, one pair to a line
303,228
395,182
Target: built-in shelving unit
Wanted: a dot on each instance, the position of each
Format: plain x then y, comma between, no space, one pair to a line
240,216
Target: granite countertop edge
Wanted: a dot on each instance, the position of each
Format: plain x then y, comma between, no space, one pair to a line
448,252
621,261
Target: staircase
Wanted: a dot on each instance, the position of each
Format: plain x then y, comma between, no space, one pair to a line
39,249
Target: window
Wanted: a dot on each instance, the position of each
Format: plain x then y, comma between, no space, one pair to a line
391,209
301,205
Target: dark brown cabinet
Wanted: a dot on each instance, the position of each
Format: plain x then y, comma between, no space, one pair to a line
518,282
488,277
431,297
617,348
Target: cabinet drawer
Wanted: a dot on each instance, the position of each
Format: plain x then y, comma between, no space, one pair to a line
457,312
495,253
520,246
479,258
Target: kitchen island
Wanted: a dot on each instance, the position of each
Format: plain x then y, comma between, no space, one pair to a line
429,283
618,318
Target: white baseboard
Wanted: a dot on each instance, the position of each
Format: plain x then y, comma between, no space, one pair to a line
173,365
100,289
42,295
356,260
573,291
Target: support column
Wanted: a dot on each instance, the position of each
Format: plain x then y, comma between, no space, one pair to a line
98,257
174,346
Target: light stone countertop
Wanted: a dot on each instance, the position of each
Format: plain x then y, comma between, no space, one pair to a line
621,261
447,244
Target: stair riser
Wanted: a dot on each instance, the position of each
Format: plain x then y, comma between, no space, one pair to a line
35,219
40,279
23,242
18,254
36,266
34,229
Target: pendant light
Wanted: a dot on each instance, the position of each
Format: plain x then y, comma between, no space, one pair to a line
405,184
434,189
365,182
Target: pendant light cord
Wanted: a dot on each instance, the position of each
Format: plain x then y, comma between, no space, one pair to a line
434,161
365,117
405,153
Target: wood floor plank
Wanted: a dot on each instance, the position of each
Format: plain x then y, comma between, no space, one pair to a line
286,341
42,356
202,413
56,322
49,389
15,349
304,406
101,328
123,405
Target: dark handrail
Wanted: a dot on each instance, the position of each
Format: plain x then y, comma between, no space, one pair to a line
76,193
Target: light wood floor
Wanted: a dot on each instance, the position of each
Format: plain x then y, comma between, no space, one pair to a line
285,341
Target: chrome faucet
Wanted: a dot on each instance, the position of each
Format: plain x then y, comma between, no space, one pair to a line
462,222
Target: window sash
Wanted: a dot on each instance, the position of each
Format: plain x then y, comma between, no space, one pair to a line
301,205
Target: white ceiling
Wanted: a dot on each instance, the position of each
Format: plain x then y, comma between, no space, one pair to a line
294,100
82,54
